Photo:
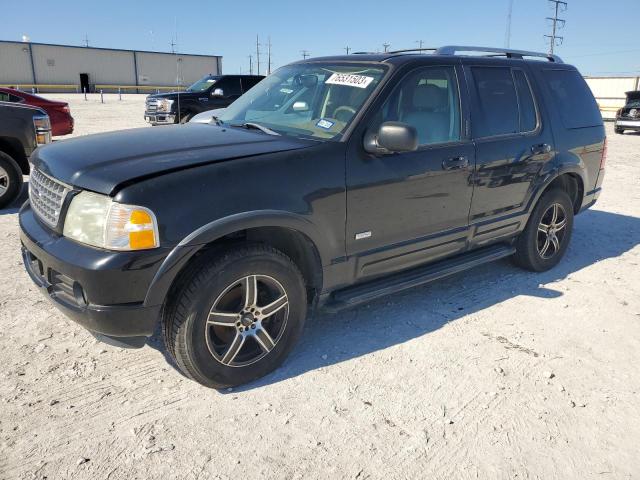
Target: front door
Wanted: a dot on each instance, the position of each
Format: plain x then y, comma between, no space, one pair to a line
410,208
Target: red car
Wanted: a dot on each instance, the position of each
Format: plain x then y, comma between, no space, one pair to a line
59,113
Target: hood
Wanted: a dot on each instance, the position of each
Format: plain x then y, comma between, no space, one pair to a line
173,95
633,95
104,162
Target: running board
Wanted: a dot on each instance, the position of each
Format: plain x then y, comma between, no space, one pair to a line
365,292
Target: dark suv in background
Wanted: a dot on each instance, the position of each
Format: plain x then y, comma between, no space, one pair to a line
331,183
208,93
628,117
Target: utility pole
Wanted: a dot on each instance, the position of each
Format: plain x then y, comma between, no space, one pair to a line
258,54
420,43
269,56
173,45
86,40
507,35
556,24
250,64
386,46
305,54
347,49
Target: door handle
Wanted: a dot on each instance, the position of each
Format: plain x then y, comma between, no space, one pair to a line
540,149
455,163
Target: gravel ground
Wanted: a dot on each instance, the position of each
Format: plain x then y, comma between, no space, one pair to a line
496,373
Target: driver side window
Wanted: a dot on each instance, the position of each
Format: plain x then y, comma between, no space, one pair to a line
427,99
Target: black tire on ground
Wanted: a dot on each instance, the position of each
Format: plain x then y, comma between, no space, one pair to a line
215,287
184,118
10,180
619,131
530,245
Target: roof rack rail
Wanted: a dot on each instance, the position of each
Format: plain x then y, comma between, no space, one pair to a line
407,50
509,53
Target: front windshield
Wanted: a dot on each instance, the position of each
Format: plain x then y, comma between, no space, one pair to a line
203,84
314,100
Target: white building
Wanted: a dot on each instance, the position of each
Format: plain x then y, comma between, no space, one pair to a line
610,92
70,68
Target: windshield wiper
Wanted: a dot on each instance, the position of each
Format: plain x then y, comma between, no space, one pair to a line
257,126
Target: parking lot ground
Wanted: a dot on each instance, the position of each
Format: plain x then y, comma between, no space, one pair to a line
495,373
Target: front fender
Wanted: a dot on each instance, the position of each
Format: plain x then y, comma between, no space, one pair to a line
195,241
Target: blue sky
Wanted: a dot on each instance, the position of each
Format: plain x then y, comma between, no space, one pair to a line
601,37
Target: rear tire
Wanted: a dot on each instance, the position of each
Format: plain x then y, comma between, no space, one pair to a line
236,315
546,237
10,180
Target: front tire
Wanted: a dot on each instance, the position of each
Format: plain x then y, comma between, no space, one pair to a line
10,180
236,315
546,237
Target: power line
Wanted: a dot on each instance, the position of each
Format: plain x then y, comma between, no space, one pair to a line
556,24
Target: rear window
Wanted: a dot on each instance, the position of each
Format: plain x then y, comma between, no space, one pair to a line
573,99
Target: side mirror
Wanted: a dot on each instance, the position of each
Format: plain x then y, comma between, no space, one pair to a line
392,137
218,92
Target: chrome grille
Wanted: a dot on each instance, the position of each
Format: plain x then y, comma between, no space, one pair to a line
46,196
152,105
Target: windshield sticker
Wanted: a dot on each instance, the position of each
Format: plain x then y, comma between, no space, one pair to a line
326,124
359,81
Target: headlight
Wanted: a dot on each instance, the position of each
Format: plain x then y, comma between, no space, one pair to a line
42,125
99,221
164,105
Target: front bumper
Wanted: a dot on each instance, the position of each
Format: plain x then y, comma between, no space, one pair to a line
627,124
103,291
158,118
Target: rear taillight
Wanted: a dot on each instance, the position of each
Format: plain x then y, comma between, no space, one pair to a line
603,160
66,109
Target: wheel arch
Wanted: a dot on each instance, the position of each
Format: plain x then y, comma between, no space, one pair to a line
291,234
13,148
571,180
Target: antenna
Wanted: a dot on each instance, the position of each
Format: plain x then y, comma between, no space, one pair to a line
507,35
386,46
556,24
305,54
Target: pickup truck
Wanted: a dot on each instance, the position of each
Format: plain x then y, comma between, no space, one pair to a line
211,91
22,129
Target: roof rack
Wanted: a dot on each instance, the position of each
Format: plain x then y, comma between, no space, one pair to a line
453,49
408,50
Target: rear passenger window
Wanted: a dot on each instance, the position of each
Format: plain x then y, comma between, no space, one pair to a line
528,116
573,99
497,102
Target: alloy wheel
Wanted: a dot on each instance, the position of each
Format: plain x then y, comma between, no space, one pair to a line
551,231
247,320
4,181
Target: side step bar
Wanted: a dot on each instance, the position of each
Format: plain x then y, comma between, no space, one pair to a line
365,292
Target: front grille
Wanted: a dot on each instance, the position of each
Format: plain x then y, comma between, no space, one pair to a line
152,106
46,196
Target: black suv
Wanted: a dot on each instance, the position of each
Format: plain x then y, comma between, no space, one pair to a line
22,129
334,181
628,117
208,93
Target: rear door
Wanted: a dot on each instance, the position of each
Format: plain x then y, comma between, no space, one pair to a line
514,143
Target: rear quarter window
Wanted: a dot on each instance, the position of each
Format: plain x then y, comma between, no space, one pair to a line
573,99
